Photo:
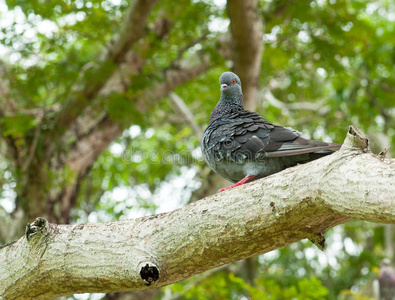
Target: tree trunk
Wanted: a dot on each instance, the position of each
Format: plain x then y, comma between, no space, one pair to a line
247,33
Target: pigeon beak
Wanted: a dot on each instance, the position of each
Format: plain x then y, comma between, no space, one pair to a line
224,85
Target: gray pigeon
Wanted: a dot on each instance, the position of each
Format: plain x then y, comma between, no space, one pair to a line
241,146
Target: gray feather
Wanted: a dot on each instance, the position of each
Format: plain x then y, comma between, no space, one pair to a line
238,143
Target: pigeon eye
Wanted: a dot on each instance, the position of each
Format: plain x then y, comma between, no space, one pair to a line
234,81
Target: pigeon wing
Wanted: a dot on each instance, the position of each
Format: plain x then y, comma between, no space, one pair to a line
247,136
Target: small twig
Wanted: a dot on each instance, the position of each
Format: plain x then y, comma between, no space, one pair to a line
287,108
191,44
268,96
383,153
33,147
181,108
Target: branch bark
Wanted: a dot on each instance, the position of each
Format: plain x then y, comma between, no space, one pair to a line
301,202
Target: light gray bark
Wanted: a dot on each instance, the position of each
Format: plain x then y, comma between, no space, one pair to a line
301,202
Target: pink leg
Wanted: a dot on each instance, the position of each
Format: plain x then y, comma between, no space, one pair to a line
244,180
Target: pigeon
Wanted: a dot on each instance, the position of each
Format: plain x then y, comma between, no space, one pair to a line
241,146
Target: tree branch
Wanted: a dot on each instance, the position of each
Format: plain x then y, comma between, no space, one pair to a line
300,202
32,148
131,31
94,130
286,108
182,110
87,148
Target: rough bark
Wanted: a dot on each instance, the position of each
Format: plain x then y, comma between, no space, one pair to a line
247,33
301,202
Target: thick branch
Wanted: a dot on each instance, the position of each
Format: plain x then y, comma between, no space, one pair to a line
88,147
300,202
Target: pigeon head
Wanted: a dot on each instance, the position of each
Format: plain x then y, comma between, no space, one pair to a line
230,84
231,99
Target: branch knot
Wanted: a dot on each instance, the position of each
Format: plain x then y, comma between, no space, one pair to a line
39,226
149,274
356,139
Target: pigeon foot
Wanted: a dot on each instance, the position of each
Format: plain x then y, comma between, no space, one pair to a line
244,180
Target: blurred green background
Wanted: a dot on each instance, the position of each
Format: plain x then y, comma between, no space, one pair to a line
325,65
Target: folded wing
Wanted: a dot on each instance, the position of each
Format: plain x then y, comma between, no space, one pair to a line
247,136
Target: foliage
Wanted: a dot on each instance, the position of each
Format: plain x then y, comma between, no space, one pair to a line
225,285
329,63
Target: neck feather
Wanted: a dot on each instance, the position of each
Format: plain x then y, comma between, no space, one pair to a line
227,105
